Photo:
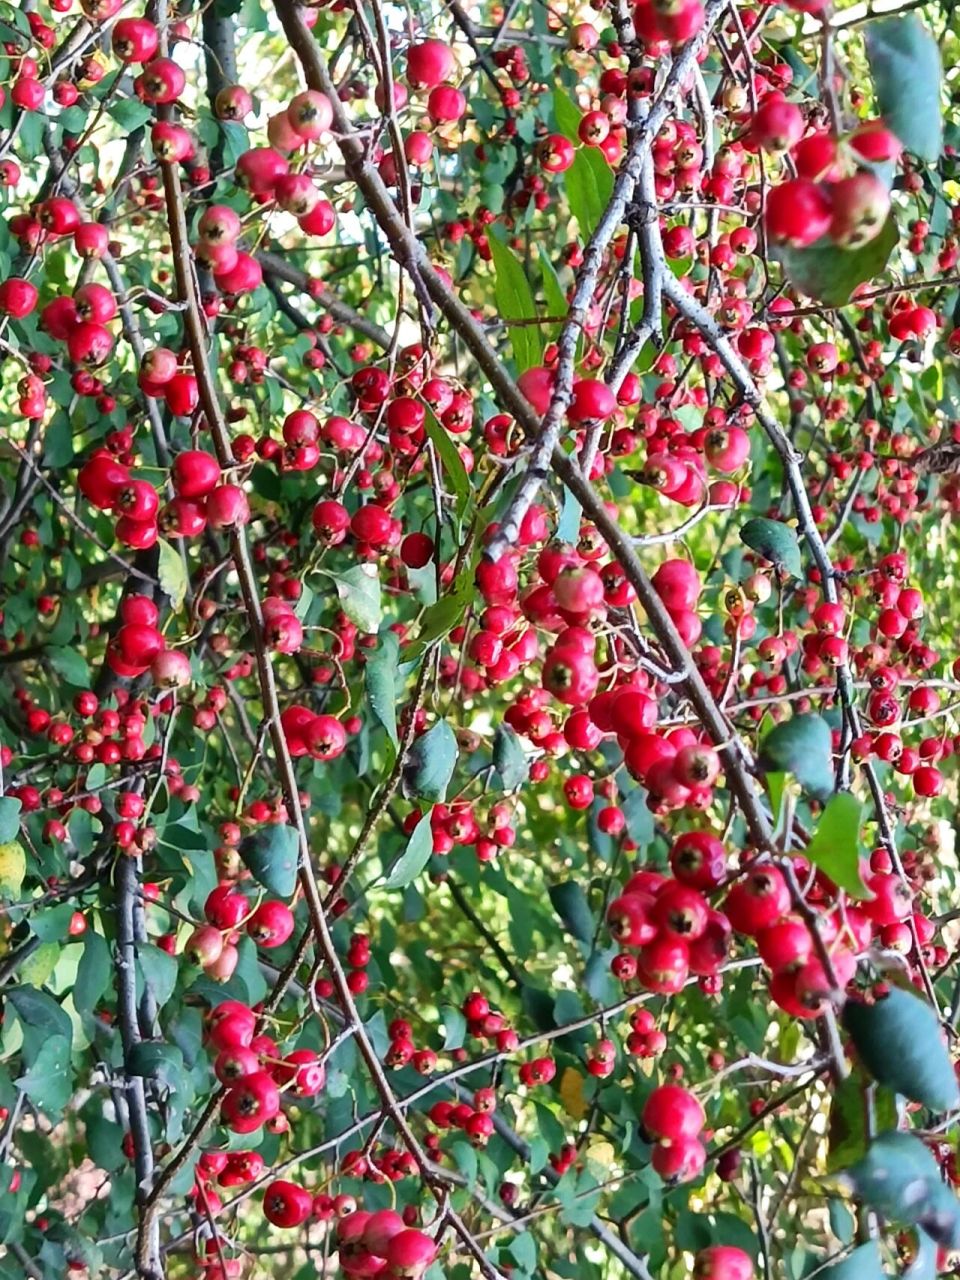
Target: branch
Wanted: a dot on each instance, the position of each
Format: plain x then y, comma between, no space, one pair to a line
280,269
149,1259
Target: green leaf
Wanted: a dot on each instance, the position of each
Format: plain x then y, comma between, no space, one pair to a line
829,274
898,1040
129,114
900,1179
905,64
568,527
272,855
895,1169
589,180
414,857
589,186
774,541
523,1250
93,972
70,665
381,676
159,972
552,289
802,746
161,1062
865,1263
171,574
454,1026
430,763
509,758
515,302
847,1130
450,462
359,592
439,619
570,903
10,808
52,924
924,1265
39,1013
835,846
639,818
49,1081
776,784
58,442
37,969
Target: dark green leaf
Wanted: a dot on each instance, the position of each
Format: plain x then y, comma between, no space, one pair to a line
865,1263
49,1081
638,816
271,854
39,1012
905,64
774,541
829,274
523,1250
414,857
10,808
900,1179
802,746
898,1040
58,442
924,1265
93,972
129,113
538,1005
159,972
570,903
359,592
381,676
53,923
514,299
835,846
568,528
161,1062
454,1026
509,758
848,1133
72,666
895,1176
171,573
430,763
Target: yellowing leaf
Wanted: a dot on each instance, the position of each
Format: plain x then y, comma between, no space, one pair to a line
13,867
602,1153
571,1093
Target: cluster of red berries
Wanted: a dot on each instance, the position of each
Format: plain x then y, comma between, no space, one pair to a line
201,499
673,929
213,945
673,1119
308,734
824,199
382,1244
253,1070
457,826
357,957
476,1121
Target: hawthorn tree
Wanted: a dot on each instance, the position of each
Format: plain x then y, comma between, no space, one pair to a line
478,694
